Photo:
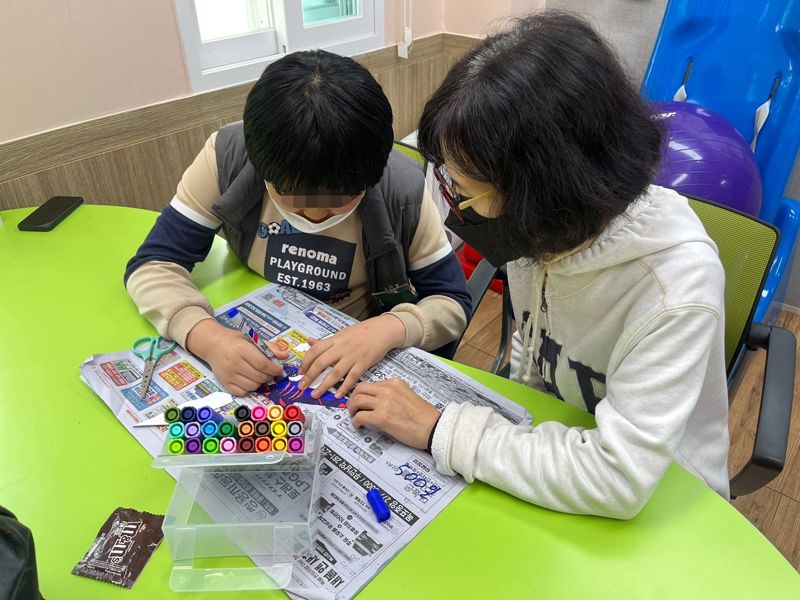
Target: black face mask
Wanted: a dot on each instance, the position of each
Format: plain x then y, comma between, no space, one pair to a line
484,234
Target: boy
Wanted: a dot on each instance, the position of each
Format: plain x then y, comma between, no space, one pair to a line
307,193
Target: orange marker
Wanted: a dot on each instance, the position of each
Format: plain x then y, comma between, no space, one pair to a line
245,428
263,444
275,412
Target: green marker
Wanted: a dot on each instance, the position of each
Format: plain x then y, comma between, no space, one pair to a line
210,446
227,429
172,414
175,446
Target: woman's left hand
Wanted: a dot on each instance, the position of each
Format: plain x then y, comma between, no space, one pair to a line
350,352
395,408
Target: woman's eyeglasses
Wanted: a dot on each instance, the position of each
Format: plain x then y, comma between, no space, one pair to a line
446,188
455,201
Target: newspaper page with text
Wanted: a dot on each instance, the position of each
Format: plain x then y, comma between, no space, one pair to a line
349,546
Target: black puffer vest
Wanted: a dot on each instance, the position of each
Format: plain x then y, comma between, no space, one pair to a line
389,214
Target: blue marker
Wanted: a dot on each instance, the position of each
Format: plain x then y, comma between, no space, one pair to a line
239,322
206,413
378,505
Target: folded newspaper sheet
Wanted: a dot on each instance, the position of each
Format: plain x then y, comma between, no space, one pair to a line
350,546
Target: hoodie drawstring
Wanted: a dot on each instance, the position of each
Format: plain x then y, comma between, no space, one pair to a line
526,360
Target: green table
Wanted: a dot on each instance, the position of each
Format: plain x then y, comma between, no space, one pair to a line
67,462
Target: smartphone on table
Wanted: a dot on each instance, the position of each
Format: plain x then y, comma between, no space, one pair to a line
50,214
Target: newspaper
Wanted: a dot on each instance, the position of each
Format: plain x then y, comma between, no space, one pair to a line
349,547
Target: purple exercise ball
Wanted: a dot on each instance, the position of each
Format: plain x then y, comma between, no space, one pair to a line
705,157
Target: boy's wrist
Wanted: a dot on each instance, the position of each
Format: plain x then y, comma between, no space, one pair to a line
395,329
203,338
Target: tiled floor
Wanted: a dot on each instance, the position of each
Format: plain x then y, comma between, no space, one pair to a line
775,509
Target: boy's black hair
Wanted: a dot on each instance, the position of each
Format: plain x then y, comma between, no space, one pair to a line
318,120
545,113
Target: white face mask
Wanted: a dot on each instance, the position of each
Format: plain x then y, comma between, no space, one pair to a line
302,224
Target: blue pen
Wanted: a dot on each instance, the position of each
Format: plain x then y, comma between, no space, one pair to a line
239,322
378,505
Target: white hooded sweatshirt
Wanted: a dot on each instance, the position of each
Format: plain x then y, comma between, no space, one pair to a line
630,327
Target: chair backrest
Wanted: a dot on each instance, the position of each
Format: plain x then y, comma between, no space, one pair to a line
746,247
412,153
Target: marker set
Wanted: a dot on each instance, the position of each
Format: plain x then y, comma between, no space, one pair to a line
261,429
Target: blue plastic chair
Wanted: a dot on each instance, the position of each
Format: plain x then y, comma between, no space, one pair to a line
732,56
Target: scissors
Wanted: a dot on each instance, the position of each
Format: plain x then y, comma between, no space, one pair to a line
150,349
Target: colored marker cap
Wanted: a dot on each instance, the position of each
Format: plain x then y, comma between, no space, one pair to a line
262,428
295,428
293,413
275,412
227,445
191,429
192,446
263,444
175,430
245,444
242,413
258,413
278,428
245,428
295,445
188,413
175,446
172,414
227,429
279,444
210,445
209,429
378,505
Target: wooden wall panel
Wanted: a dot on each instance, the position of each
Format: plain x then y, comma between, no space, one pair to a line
136,158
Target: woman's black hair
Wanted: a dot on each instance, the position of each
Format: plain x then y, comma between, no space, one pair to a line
318,120
545,113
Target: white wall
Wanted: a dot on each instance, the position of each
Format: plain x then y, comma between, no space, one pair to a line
70,61
65,61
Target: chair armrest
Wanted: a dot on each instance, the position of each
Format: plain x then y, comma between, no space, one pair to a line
480,280
777,392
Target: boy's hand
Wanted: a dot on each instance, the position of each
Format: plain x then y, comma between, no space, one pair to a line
238,365
351,352
395,408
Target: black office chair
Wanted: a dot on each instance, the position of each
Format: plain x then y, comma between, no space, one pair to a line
746,249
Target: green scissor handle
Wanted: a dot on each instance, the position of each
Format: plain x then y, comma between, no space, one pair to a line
152,347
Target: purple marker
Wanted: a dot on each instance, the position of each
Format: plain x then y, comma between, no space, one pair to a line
206,413
227,445
192,429
295,445
193,446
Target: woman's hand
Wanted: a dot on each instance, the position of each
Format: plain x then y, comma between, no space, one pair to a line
238,365
350,352
395,408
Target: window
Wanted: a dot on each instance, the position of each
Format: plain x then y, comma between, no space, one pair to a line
227,42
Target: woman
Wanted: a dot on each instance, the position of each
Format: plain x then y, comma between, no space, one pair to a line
546,151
